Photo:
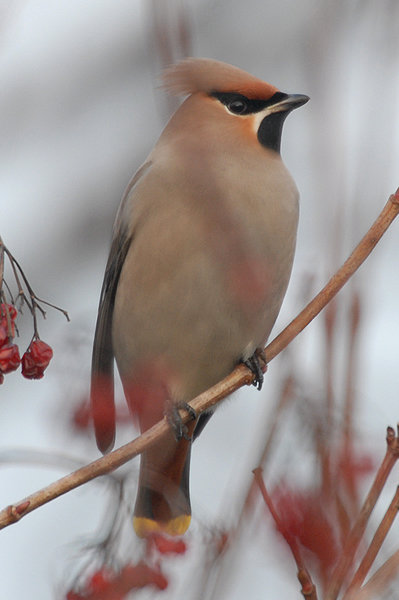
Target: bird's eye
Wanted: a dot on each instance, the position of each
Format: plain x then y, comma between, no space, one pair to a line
237,107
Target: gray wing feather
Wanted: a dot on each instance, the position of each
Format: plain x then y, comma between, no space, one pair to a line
102,377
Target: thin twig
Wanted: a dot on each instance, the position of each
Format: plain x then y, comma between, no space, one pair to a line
34,303
357,531
330,321
245,511
102,466
374,547
239,377
349,410
6,311
286,396
34,298
1,263
43,458
348,450
358,256
381,578
308,587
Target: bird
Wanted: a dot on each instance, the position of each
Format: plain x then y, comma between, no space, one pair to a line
201,256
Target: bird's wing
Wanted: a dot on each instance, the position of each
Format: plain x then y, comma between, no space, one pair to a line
202,421
102,374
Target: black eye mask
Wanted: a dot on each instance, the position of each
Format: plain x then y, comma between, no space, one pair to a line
241,105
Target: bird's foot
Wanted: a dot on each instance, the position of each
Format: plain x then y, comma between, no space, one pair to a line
258,365
174,419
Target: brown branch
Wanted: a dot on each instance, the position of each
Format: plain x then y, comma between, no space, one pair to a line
354,319
1,263
308,588
240,376
379,581
233,533
357,531
286,396
374,547
102,466
358,256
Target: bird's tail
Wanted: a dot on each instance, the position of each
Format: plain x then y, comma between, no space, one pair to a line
163,498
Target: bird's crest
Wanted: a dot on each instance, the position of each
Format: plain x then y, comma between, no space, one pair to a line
208,76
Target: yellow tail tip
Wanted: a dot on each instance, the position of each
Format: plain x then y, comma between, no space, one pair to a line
145,527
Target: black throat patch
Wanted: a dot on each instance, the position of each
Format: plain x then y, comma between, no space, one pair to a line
270,129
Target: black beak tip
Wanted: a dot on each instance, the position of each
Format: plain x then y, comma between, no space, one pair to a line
298,100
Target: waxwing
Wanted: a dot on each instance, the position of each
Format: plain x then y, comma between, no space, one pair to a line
200,260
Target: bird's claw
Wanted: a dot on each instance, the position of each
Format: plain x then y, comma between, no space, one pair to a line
258,365
175,421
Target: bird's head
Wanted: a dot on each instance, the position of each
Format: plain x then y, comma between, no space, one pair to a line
244,103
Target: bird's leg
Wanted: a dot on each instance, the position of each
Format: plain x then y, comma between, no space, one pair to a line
258,365
191,411
174,419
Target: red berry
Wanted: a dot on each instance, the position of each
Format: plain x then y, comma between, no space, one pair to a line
5,321
1,378
167,545
71,595
81,417
36,359
41,352
9,358
11,310
141,575
30,370
100,580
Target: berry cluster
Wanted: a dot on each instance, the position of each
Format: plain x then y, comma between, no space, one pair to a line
38,355
106,584
36,358
109,583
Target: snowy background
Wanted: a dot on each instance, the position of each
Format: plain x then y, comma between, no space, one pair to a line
79,112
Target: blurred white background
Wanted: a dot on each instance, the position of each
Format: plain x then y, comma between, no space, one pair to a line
79,112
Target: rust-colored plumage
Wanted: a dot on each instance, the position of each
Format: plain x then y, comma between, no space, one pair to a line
194,75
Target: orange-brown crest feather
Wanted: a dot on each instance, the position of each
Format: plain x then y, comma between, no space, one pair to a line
206,75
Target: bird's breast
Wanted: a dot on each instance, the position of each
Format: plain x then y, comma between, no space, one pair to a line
206,272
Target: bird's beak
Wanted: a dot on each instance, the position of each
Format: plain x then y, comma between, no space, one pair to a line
289,103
